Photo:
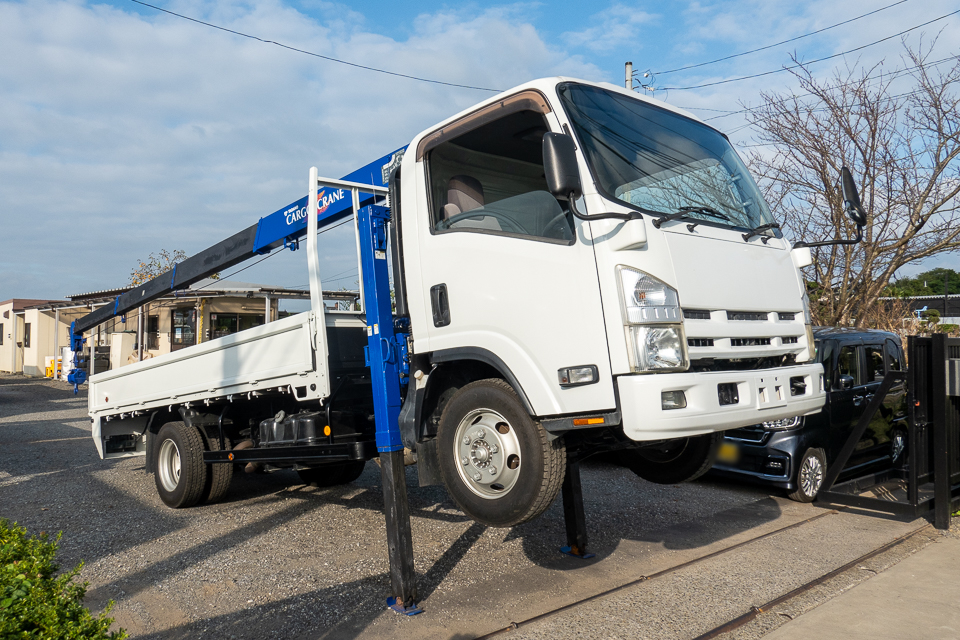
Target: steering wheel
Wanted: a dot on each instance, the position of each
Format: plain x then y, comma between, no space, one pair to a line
506,224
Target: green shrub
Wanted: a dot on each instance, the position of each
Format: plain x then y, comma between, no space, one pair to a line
34,603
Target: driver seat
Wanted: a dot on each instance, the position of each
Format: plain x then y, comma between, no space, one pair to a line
465,193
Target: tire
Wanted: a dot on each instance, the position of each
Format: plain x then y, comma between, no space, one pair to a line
218,475
811,470
332,475
496,461
180,475
674,461
898,448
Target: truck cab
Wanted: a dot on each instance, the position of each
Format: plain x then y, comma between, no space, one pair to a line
689,319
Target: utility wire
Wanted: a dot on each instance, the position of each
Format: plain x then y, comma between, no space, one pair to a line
781,70
770,46
315,55
891,75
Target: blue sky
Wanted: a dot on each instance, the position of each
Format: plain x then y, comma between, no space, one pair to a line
124,130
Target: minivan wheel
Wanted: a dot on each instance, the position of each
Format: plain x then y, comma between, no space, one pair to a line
496,461
811,470
181,475
898,448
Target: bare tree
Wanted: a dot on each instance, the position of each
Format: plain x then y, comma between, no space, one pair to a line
903,149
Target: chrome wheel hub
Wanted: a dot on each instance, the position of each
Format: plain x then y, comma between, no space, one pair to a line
488,452
168,465
899,445
811,476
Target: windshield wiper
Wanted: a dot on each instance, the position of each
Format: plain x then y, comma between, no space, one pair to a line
758,231
684,212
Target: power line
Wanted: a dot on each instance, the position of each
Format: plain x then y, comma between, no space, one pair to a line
891,75
782,69
770,46
316,55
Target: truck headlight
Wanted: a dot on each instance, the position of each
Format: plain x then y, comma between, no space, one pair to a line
653,322
647,299
657,348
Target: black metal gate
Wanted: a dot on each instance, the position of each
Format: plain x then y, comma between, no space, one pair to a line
932,472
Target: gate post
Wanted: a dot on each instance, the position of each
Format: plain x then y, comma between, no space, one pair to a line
941,452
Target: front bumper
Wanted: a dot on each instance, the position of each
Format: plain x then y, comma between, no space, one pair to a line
765,394
770,462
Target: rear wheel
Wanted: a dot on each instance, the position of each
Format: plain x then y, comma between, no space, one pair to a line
674,461
811,470
332,475
219,475
497,463
180,476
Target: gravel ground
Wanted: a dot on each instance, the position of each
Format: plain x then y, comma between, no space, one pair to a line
278,559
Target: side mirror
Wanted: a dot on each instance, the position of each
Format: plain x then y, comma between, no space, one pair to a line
851,198
560,166
846,382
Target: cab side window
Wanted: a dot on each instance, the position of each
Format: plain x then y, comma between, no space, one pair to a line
848,367
491,180
875,368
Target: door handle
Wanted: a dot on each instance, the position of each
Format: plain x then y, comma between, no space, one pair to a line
440,305
857,400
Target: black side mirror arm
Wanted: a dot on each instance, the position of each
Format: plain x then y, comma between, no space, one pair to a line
633,215
853,209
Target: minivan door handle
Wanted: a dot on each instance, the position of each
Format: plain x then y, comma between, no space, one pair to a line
440,305
857,400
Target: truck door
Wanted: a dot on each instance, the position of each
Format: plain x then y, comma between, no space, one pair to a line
504,269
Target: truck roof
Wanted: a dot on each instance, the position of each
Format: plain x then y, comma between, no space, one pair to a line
547,85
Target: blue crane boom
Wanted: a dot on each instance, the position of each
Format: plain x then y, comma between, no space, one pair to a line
281,228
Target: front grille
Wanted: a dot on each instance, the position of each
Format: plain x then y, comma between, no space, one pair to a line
789,340
696,314
751,316
786,316
749,342
700,342
747,434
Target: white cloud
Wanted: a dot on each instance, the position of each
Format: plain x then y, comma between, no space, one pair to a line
122,134
616,26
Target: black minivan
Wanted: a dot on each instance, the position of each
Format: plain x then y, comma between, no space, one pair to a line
794,454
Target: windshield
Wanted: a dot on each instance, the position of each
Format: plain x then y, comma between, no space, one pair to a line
661,162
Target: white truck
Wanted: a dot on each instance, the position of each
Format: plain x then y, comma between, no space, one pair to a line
575,268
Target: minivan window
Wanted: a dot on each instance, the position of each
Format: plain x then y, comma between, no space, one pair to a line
848,365
893,356
875,370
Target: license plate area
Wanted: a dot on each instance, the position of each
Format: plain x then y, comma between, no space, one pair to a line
728,453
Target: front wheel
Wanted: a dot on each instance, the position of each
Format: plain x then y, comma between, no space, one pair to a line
181,475
496,461
673,461
811,471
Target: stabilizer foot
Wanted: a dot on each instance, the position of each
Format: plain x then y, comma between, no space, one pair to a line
577,553
399,607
